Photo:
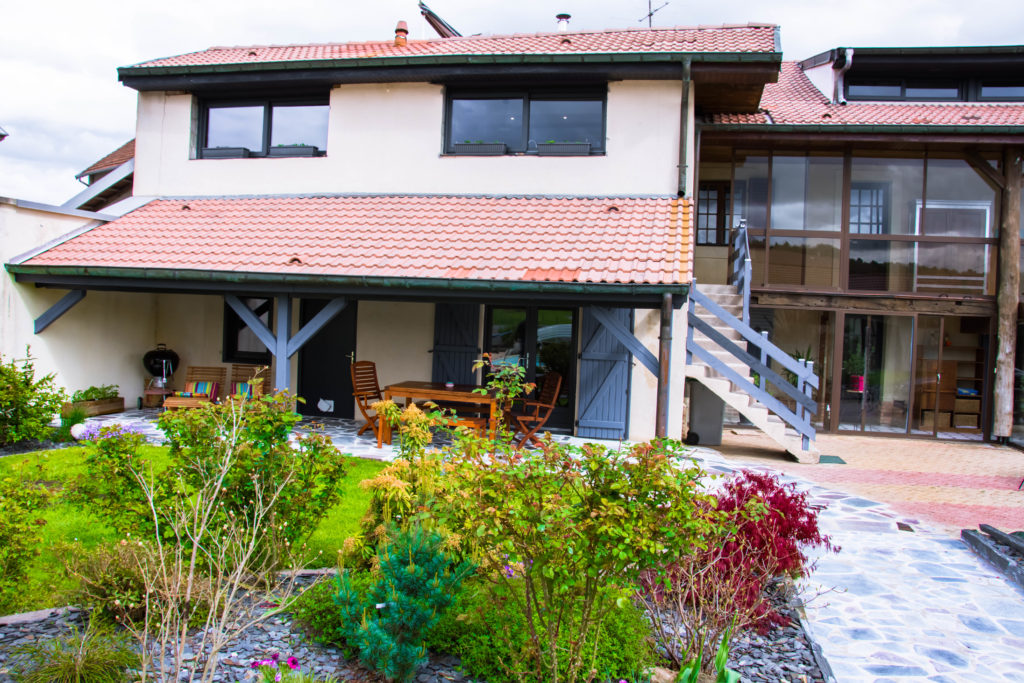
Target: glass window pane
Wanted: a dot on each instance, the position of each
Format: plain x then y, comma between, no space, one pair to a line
1014,91
750,192
892,189
806,193
488,120
875,393
959,203
300,125
925,267
874,90
566,121
933,92
235,127
803,261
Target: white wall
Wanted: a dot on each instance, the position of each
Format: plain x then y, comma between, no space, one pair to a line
397,336
643,408
823,78
99,341
387,138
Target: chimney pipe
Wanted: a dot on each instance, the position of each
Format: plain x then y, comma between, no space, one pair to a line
563,22
401,34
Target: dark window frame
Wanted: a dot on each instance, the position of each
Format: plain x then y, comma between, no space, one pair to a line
549,94
268,104
723,201
904,83
234,324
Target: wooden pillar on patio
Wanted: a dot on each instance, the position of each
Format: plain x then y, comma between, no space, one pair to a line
1008,294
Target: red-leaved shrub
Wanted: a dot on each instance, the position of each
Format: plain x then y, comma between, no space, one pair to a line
765,529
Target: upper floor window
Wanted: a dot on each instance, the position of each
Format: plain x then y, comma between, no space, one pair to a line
712,212
933,89
262,128
534,121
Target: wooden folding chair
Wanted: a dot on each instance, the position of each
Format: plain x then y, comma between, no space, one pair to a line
195,377
535,414
366,390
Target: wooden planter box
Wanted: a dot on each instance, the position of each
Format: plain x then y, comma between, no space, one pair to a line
293,151
483,149
102,406
563,149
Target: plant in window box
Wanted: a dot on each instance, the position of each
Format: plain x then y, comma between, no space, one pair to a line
225,152
480,148
300,150
555,148
101,400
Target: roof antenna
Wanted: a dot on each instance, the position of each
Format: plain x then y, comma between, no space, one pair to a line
650,13
443,28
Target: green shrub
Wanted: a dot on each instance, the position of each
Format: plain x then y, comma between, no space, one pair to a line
93,656
252,437
387,625
316,611
74,416
569,523
27,404
95,393
112,581
483,626
20,537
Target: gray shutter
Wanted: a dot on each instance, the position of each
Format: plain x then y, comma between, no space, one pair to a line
456,342
604,379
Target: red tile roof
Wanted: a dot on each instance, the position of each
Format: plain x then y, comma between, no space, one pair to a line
628,240
795,100
112,160
729,38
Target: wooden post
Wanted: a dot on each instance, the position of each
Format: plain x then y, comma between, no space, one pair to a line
664,367
764,359
1008,294
282,363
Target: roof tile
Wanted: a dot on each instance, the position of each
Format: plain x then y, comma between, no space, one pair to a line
727,38
531,238
112,160
795,100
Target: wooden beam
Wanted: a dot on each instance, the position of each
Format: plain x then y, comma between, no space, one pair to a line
966,307
282,364
626,338
251,321
63,305
982,166
1008,294
664,367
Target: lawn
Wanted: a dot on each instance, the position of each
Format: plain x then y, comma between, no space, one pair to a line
65,522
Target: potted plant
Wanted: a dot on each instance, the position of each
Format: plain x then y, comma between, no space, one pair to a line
555,148
225,152
101,400
480,148
300,150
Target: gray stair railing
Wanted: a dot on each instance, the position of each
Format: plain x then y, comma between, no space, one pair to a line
803,370
741,271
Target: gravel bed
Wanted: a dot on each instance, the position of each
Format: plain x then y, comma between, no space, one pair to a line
783,655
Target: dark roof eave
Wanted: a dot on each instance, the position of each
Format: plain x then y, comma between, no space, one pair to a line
208,281
443,60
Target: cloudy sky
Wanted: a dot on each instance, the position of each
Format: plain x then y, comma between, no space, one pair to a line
63,108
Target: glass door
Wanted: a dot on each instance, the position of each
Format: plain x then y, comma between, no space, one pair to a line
874,391
541,340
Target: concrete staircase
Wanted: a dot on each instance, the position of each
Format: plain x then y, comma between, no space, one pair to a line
746,405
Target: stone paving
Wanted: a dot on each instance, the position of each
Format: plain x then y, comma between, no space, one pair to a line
902,601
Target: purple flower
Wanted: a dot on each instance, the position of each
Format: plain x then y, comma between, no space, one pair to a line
275,656
277,678
509,572
293,663
255,664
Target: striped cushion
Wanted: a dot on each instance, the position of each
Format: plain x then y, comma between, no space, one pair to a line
241,389
201,388
189,394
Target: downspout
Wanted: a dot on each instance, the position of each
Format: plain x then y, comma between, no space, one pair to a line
839,82
684,128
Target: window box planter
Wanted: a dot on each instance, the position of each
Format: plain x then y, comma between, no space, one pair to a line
481,148
294,151
225,152
101,406
563,149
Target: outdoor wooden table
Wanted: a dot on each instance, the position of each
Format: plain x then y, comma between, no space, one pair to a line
437,391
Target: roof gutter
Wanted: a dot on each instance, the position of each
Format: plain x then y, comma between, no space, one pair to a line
839,80
839,128
684,129
205,281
